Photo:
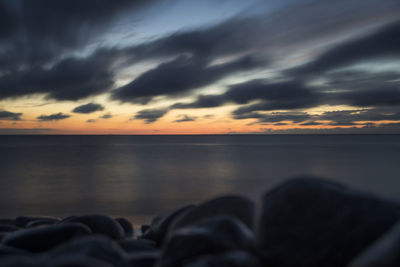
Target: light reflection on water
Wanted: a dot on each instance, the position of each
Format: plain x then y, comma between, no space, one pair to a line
139,176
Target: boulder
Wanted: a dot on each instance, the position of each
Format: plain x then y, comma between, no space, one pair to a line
44,238
236,206
8,228
95,246
384,252
126,225
213,235
143,259
228,259
75,261
137,245
309,222
22,221
99,224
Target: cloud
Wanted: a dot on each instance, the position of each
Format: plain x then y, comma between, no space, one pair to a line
180,75
275,117
53,117
88,108
383,43
91,121
10,116
106,116
185,118
150,115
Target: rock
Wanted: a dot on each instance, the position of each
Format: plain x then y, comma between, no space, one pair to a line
144,228
76,261
159,227
143,259
94,246
8,228
19,261
41,222
127,226
10,251
212,235
137,245
228,259
44,238
236,206
100,224
309,222
384,252
8,222
22,221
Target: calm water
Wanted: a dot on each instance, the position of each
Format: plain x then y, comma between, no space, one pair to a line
139,176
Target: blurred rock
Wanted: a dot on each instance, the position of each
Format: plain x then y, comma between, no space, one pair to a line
384,252
8,228
309,222
236,206
159,226
100,224
22,221
75,261
213,235
95,246
44,238
143,259
228,259
137,245
126,225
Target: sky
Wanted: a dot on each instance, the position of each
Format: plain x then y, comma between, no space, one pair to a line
199,67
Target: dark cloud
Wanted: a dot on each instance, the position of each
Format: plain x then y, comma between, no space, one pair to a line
275,117
180,75
53,117
372,98
383,43
106,116
10,116
69,79
91,121
150,115
311,123
88,108
186,118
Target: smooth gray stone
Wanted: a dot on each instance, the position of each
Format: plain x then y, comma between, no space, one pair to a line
8,228
19,261
159,226
309,222
143,259
100,224
385,252
127,226
94,246
236,206
41,222
22,221
210,236
75,261
137,245
228,259
10,251
8,221
44,238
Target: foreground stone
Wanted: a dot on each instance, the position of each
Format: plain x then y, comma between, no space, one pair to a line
309,222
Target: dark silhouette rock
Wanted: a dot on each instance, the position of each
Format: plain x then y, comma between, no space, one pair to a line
228,259
10,251
94,246
143,259
385,252
100,224
236,206
44,238
76,261
309,222
144,228
8,222
22,221
20,261
159,226
41,222
137,245
212,235
126,225
8,228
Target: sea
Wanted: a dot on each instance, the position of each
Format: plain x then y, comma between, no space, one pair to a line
139,177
